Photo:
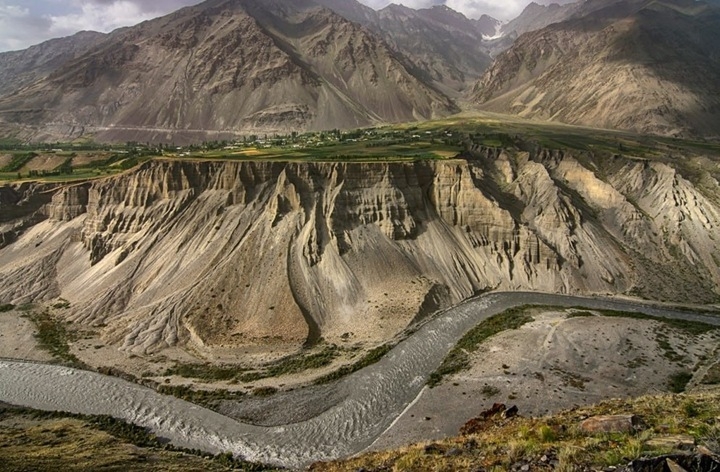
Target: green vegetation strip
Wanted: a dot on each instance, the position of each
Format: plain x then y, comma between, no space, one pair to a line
53,336
206,372
294,364
286,366
458,359
368,359
207,398
6,307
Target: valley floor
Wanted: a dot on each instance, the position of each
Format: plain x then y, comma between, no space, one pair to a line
564,358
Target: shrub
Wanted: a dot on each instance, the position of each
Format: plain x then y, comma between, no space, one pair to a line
54,338
489,391
264,391
678,381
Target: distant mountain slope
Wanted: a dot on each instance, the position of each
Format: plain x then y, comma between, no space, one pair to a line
536,16
352,10
228,66
647,66
446,46
20,68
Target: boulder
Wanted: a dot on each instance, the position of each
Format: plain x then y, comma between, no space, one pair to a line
678,441
610,424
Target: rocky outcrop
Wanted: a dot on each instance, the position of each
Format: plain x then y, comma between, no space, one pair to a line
675,463
21,207
227,254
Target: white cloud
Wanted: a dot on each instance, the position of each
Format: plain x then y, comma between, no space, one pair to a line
18,27
99,17
23,26
23,22
504,10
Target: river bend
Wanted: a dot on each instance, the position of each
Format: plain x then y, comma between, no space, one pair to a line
378,394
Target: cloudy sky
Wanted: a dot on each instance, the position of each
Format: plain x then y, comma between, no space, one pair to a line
27,22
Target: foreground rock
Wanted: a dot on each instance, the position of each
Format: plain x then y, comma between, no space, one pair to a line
675,463
678,441
487,418
610,424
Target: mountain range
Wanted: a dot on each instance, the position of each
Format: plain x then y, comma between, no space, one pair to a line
646,66
229,67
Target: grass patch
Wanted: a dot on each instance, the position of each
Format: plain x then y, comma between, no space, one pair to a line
690,409
637,362
53,336
507,442
571,379
458,358
368,359
66,441
579,314
489,391
5,307
547,434
668,351
61,304
286,366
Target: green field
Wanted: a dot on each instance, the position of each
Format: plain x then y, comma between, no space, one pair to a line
432,140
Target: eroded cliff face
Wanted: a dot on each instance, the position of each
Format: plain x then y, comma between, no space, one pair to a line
227,254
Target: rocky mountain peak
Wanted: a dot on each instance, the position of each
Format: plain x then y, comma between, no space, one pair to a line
397,11
232,66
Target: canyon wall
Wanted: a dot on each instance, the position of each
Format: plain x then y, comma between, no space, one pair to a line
213,254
